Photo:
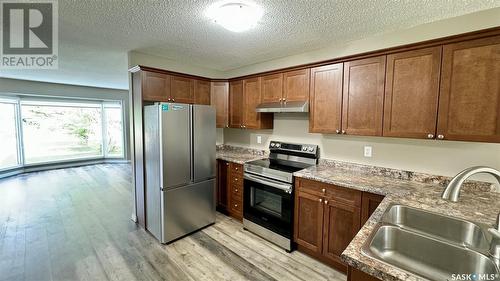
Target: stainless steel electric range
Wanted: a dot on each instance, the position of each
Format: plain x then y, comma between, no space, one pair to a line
268,201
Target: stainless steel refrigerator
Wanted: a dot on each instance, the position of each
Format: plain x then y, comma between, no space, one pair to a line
179,144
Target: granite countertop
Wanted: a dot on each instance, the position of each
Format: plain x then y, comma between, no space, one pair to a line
239,155
478,202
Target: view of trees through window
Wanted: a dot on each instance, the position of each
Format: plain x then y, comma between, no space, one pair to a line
57,131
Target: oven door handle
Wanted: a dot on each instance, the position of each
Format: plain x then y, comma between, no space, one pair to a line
285,187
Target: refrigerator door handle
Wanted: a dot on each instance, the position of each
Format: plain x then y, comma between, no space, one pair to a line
191,142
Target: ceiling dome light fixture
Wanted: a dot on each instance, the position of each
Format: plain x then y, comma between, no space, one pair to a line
235,16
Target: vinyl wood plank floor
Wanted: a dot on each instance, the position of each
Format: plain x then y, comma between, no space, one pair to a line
74,224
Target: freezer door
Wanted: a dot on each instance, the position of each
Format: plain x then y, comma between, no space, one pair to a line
187,208
175,139
204,138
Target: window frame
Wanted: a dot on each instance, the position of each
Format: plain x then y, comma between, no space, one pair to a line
33,100
19,152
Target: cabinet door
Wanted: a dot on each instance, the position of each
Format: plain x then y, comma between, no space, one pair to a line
369,202
235,104
251,96
308,228
220,99
182,89
363,97
156,86
272,88
326,99
469,105
296,85
222,184
341,224
202,92
411,93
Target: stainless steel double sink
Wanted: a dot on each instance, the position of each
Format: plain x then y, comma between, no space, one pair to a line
431,245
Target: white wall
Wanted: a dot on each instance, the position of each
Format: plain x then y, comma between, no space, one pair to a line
428,156
25,87
137,58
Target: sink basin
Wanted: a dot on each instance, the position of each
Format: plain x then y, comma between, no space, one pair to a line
426,256
452,229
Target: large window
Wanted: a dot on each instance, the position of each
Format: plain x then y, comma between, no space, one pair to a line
114,129
9,156
59,131
44,131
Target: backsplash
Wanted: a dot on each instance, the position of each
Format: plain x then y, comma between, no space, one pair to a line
407,175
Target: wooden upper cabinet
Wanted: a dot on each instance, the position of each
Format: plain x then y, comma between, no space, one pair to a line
411,93
202,92
155,86
363,96
182,89
326,99
308,225
469,105
296,85
251,99
236,104
272,88
220,99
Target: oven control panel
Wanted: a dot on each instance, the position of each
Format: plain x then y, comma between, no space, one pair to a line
303,148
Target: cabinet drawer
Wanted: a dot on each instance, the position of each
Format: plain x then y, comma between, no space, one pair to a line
236,206
338,194
236,180
237,190
236,168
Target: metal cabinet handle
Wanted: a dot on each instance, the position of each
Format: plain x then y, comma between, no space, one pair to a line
227,164
430,136
320,200
337,131
326,202
236,168
236,205
236,190
323,190
440,137
236,179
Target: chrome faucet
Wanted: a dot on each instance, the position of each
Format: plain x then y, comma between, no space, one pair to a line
452,190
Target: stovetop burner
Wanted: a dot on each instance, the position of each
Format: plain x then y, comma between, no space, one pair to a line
284,159
280,165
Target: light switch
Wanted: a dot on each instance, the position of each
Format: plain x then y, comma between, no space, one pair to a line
368,151
259,139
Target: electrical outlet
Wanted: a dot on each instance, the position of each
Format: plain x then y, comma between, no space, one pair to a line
259,139
368,151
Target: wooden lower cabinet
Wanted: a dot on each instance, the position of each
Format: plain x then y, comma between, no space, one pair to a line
308,229
222,185
354,274
369,202
230,188
327,217
341,223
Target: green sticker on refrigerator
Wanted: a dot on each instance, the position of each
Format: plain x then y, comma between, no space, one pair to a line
164,107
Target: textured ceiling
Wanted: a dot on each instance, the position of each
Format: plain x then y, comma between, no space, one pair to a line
178,29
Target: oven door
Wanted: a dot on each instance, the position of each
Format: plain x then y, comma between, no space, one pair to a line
268,203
